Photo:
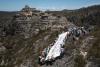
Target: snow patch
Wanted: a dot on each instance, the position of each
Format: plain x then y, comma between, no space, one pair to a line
55,51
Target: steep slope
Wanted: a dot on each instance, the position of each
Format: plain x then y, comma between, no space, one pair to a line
16,51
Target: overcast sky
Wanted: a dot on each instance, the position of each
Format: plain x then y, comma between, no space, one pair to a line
13,5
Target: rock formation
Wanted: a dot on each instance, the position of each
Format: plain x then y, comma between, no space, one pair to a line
30,21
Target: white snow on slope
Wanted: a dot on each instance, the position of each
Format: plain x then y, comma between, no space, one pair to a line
55,51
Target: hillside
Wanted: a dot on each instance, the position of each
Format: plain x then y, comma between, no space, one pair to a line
78,16
23,36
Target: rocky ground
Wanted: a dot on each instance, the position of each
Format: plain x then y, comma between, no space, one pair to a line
20,52
17,51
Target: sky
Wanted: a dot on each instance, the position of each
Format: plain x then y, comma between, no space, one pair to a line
16,5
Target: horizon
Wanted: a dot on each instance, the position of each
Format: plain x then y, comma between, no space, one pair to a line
13,5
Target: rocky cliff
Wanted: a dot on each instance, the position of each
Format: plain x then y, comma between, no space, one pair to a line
23,36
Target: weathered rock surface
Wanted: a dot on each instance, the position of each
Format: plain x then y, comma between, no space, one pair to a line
24,36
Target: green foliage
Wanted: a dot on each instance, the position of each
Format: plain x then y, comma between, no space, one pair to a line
84,16
19,49
79,61
95,49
